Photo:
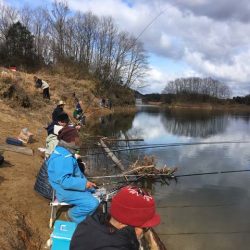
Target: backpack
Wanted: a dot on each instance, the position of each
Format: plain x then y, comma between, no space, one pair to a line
42,185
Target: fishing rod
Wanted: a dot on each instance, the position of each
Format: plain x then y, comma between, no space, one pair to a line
170,175
167,145
205,233
213,172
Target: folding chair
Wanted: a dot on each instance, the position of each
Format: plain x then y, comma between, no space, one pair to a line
55,204
100,194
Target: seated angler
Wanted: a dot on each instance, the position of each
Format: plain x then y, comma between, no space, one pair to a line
66,178
132,213
58,110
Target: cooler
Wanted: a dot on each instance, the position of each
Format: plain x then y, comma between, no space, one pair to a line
62,234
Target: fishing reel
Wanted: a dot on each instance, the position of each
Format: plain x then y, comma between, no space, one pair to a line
105,197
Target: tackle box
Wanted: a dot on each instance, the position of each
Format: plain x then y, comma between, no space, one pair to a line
62,234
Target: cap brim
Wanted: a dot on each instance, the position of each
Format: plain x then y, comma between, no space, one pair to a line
154,221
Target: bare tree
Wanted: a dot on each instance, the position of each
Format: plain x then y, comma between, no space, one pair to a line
8,16
26,17
57,19
195,85
94,43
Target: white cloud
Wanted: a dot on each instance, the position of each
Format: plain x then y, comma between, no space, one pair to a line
237,70
158,78
211,46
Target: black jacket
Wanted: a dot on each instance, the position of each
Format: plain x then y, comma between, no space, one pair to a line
57,111
91,234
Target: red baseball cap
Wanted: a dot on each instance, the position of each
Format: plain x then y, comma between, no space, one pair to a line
133,206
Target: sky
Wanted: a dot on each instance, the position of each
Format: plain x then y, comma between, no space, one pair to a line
183,38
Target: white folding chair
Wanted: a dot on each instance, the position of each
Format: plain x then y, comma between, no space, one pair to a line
55,204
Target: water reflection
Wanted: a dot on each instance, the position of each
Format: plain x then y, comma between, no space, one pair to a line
194,124
199,212
111,125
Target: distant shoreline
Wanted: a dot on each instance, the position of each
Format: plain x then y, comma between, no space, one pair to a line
203,106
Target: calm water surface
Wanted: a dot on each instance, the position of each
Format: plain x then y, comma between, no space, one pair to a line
198,212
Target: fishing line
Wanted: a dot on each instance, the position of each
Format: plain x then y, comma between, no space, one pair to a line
214,172
206,233
152,146
172,144
127,50
170,175
192,206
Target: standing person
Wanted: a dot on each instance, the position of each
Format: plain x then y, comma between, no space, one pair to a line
109,104
39,83
103,102
78,113
132,212
58,110
66,178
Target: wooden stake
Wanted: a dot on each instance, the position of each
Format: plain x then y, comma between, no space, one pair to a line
12,148
111,155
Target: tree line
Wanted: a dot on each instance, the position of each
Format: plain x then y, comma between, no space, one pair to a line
191,89
41,36
198,86
242,99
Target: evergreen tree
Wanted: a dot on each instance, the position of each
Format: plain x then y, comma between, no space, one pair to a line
18,49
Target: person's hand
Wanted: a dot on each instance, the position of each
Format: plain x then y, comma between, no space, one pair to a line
78,127
77,156
90,184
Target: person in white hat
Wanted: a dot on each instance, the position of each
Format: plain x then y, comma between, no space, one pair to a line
58,110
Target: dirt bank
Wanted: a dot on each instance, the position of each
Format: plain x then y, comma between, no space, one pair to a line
24,215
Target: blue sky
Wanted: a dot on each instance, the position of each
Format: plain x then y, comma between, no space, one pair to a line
206,38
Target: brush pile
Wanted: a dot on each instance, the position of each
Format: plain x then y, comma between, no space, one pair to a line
149,170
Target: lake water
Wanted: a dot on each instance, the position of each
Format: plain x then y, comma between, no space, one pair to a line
198,212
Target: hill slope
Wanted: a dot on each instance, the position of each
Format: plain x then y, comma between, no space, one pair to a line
24,215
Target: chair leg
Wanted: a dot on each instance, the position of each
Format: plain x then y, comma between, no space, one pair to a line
51,217
51,220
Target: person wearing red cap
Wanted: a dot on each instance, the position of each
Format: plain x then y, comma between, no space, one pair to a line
132,212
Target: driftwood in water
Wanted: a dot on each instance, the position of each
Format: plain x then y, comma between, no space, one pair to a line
112,155
21,150
137,169
154,240
150,171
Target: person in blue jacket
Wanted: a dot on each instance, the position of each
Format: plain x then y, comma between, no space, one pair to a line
66,178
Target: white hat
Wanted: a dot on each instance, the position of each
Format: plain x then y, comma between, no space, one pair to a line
57,128
61,102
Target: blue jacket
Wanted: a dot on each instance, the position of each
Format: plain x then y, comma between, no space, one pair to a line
65,175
